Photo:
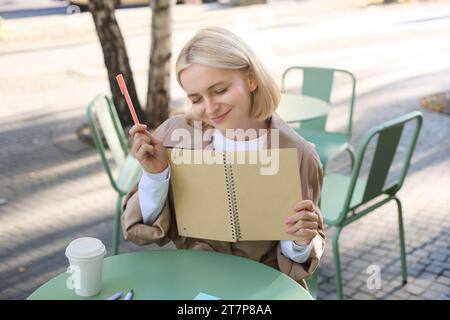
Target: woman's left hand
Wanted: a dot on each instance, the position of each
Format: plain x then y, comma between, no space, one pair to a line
303,223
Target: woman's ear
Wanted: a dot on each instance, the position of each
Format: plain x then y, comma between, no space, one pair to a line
252,84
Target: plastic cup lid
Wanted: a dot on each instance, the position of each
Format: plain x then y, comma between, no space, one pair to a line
85,248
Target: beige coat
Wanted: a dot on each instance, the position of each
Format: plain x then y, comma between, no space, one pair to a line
164,229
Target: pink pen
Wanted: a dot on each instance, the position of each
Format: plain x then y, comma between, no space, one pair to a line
124,90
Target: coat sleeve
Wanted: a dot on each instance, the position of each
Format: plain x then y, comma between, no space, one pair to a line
133,227
136,231
311,174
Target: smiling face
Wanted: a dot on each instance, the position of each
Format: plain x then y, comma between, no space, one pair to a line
220,97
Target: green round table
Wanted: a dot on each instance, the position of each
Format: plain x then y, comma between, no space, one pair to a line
296,108
182,275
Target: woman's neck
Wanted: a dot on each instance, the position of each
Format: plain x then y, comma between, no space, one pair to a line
253,130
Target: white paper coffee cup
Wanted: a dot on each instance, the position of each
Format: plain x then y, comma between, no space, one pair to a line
86,263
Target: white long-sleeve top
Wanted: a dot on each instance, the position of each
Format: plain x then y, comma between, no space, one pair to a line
153,190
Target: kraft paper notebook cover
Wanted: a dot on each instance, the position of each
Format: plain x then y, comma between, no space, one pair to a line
229,201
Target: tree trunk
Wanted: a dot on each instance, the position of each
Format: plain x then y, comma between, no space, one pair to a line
116,58
158,93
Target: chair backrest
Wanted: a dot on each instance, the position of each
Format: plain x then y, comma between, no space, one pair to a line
318,83
103,120
388,134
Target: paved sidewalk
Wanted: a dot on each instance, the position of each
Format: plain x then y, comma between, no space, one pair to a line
53,188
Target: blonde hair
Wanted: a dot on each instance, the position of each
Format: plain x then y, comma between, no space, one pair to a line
219,48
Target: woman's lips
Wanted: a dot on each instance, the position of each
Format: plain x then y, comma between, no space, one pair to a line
220,118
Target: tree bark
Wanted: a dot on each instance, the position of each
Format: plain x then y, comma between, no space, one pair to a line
115,57
158,93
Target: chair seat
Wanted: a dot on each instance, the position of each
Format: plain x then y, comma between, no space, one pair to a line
328,144
128,175
334,192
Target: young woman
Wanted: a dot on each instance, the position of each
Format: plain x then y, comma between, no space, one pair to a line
229,89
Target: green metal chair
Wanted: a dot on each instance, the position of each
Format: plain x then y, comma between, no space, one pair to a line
342,194
318,83
102,118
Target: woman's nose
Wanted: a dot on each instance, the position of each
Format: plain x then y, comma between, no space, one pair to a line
211,107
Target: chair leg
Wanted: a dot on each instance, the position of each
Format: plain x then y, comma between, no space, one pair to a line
350,150
313,283
116,227
337,263
402,241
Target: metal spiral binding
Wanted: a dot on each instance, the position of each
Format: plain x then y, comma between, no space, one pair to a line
232,203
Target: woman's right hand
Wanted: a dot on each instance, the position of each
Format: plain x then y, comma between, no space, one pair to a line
148,149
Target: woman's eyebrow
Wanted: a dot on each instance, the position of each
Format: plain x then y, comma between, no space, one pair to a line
216,84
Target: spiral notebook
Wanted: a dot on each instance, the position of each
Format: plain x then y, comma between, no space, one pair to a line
229,200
